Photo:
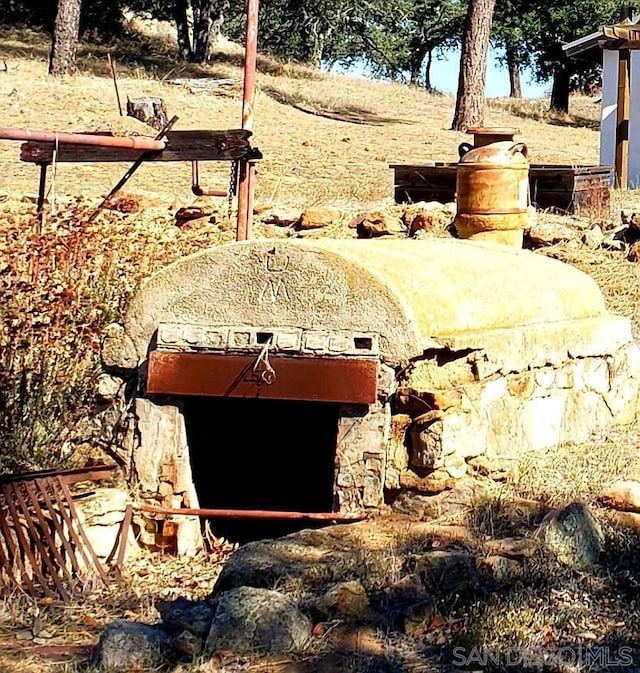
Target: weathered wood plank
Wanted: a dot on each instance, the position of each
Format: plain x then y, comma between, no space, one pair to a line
579,189
196,145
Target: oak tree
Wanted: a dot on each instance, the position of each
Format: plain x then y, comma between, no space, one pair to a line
470,100
62,59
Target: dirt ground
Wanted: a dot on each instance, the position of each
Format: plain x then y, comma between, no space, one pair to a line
326,140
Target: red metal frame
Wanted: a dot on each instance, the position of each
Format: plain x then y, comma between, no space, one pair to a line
246,184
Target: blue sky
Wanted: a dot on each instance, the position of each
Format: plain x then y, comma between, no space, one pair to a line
444,77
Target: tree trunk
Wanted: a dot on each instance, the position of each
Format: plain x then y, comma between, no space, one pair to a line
65,38
206,14
182,26
515,87
473,65
560,88
427,71
417,59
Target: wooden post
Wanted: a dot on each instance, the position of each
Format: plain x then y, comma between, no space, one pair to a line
622,127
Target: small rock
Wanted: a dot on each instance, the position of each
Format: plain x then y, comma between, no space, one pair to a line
127,646
543,234
376,223
182,614
499,570
250,620
118,351
108,387
282,218
634,252
347,600
593,237
623,495
573,535
512,547
447,572
316,218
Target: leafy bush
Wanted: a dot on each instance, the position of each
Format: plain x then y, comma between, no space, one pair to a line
58,290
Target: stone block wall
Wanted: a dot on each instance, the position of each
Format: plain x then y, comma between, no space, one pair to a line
451,413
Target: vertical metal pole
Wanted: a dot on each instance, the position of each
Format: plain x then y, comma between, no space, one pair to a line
42,190
246,184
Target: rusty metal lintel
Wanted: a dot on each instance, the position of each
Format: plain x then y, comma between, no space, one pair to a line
252,514
314,379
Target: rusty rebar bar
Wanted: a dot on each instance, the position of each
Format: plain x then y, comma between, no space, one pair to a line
130,142
252,514
112,67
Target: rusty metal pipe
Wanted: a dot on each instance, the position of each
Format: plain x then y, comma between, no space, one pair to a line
246,185
130,142
250,59
252,514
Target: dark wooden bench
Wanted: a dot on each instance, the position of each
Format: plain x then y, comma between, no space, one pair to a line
583,190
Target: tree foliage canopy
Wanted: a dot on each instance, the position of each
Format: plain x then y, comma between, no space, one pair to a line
396,39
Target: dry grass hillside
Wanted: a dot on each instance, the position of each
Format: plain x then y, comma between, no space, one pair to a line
326,140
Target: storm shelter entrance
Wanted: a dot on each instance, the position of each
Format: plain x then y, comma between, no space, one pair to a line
262,454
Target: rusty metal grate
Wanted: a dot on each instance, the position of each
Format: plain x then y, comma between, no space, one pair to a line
43,547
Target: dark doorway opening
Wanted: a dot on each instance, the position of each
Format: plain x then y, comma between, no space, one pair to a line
261,454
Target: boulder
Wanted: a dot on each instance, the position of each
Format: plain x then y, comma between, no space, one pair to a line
249,620
573,536
129,646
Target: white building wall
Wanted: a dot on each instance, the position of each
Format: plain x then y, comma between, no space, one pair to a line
609,107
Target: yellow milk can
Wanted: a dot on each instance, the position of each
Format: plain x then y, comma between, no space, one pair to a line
492,193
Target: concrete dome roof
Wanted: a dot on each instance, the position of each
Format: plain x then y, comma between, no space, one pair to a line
408,291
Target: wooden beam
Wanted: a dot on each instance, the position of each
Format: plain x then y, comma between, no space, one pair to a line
622,128
181,146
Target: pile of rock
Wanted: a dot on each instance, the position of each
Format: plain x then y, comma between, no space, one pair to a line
343,588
